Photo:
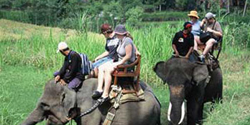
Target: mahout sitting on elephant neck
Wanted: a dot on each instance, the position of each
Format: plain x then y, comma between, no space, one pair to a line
58,102
188,81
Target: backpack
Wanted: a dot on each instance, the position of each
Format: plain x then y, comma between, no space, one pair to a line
86,66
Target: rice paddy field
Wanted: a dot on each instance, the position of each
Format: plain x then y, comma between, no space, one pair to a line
28,59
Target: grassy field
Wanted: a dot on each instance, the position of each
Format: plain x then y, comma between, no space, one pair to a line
28,58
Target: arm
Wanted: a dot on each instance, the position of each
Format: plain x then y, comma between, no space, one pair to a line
102,55
128,50
189,52
137,51
191,46
62,71
175,50
203,22
217,32
174,46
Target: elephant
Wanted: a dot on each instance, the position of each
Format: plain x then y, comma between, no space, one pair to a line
58,105
190,85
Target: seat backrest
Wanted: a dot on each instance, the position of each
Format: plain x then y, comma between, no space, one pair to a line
136,64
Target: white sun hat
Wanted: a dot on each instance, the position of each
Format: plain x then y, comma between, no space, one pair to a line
62,46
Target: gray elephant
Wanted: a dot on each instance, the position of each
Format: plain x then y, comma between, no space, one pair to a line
189,82
58,105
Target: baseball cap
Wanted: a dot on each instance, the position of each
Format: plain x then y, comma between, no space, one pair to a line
210,15
187,25
62,46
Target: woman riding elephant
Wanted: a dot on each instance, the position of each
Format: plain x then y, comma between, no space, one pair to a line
59,105
191,82
126,51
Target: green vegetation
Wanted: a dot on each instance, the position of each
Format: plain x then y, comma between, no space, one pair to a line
21,87
89,14
28,59
28,52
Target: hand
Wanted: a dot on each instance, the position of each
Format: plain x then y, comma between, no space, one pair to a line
57,78
114,65
62,82
176,55
210,30
137,53
97,58
204,21
186,57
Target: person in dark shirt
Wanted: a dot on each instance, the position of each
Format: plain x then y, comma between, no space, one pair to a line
107,57
183,41
110,48
70,73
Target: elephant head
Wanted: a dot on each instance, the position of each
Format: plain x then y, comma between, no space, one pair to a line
57,104
180,75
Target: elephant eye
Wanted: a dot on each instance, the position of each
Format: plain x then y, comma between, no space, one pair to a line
44,106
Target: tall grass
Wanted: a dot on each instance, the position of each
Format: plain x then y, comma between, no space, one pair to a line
154,43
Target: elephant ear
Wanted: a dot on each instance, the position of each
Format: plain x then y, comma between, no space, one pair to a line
68,99
200,73
161,71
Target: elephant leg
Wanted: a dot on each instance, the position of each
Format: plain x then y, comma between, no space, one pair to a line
192,112
200,114
195,105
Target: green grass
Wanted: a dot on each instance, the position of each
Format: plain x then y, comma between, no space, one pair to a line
21,87
28,58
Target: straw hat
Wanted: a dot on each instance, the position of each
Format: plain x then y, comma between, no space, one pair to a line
193,13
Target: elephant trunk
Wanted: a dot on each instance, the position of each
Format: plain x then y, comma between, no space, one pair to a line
36,116
176,110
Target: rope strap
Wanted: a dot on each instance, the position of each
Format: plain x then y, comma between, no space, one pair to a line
109,118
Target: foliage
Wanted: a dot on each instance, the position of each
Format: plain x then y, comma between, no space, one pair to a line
134,16
164,16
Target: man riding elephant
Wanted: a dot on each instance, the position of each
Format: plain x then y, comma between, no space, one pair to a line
209,24
183,42
70,73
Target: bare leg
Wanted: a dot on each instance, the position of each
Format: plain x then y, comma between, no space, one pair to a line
101,74
95,74
108,79
197,42
209,45
100,79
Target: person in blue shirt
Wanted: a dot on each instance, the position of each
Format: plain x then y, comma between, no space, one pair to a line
194,20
